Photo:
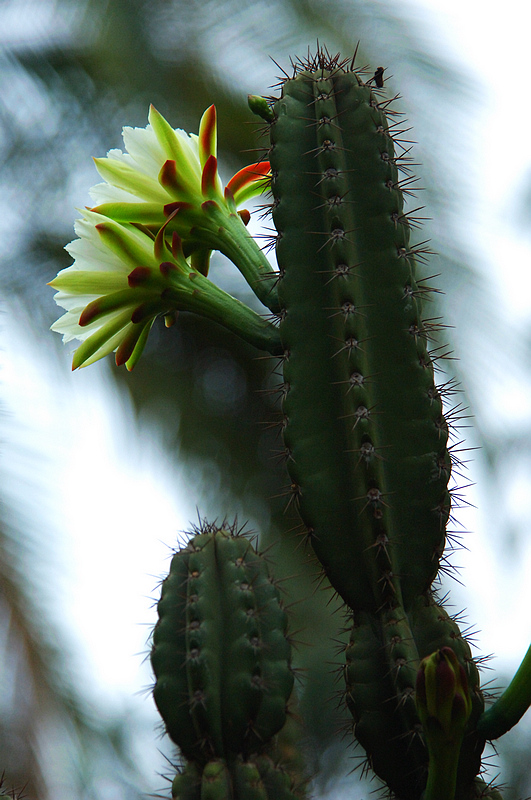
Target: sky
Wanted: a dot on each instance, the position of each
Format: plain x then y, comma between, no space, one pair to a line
111,487
494,50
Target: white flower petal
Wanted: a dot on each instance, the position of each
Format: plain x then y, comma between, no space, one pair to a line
105,193
117,155
74,303
114,249
146,153
92,255
68,326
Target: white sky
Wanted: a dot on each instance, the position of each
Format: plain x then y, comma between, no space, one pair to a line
492,44
121,499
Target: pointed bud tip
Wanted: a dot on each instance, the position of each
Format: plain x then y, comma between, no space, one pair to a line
260,107
166,267
209,176
245,216
168,175
138,276
89,313
442,691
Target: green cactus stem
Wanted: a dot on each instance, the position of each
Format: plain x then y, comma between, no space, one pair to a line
260,107
510,707
256,779
187,783
216,782
364,429
381,661
221,655
364,425
277,781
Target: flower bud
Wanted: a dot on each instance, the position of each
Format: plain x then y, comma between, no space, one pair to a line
260,107
442,693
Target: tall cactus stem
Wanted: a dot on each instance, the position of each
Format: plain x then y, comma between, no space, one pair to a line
363,419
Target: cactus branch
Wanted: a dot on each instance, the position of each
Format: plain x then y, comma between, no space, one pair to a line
511,706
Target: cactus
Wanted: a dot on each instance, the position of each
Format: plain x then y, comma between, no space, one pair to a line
366,443
370,478
220,653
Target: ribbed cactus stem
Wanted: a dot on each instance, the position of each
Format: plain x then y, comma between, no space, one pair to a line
364,428
220,653
216,781
258,778
363,419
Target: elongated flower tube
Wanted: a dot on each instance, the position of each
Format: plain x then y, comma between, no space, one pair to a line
444,706
123,278
166,171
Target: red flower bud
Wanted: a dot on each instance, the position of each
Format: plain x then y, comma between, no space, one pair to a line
442,693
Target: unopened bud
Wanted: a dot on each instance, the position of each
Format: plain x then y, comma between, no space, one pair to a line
442,693
260,107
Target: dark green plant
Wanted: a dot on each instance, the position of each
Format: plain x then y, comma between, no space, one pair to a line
364,430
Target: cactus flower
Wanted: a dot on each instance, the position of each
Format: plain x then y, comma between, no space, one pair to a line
122,278
165,170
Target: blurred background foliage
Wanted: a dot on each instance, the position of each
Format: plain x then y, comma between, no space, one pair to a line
73,72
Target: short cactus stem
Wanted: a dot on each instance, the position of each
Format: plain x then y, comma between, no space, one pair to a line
221,654
187,783
216,781
258,778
